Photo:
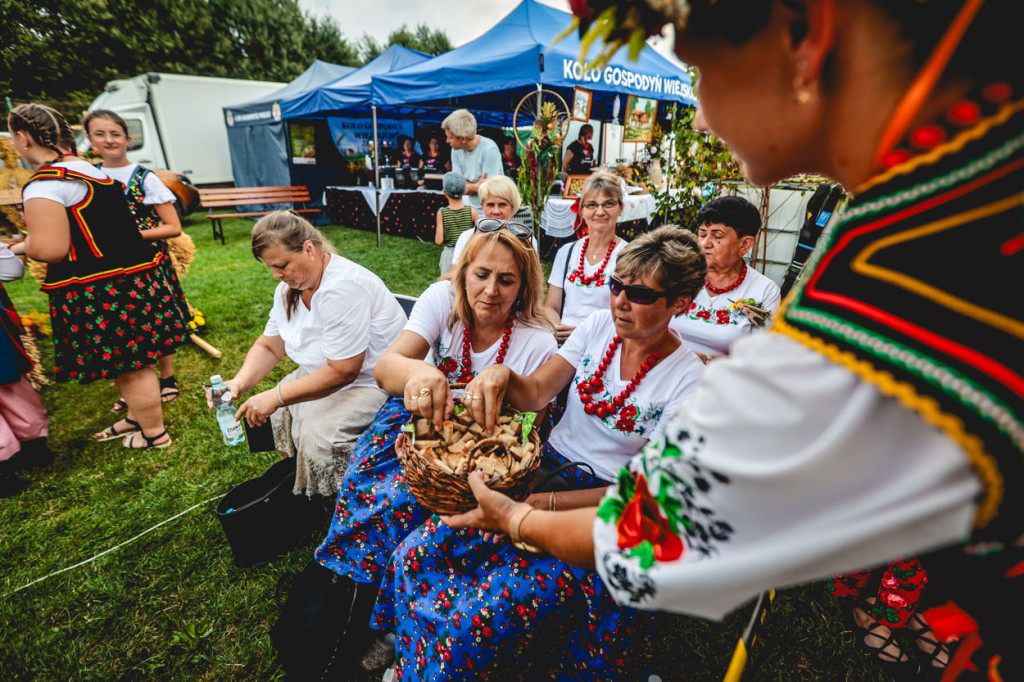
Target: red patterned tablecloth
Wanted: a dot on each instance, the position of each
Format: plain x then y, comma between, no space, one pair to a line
405,214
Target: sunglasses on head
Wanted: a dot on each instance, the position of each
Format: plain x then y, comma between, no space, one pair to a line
634,292
493,225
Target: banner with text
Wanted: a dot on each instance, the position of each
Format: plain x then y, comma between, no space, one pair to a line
352,135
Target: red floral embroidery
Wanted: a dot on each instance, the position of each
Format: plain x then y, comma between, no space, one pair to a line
642,520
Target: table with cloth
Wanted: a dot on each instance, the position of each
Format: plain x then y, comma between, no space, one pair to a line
403,212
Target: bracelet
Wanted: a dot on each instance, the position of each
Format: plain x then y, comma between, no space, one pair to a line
521,512
279,398
552,504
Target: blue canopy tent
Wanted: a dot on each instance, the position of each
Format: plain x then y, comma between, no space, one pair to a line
257,135
492,73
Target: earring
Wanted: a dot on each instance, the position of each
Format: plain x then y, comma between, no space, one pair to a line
802,92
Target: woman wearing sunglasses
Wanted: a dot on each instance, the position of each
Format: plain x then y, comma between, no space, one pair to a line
461,612
499,201
489,313
578,284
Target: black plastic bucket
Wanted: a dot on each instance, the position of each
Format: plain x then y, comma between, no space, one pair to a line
263,519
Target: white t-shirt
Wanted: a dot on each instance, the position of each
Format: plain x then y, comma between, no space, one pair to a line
66,192
709,325
785,462
607,444
473,164
351,312
579,300
153,188
463,240
528,347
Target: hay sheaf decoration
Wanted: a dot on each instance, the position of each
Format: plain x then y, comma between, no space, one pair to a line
183,252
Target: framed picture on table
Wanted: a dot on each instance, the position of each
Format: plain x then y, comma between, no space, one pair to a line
581,100
640,115
573,186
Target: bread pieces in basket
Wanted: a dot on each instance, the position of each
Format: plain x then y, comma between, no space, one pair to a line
438,463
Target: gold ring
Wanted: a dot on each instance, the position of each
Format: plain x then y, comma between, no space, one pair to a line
424,392
476,397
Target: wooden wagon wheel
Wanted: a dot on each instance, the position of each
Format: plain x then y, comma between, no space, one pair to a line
530,108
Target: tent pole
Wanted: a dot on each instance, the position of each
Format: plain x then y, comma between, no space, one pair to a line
376,170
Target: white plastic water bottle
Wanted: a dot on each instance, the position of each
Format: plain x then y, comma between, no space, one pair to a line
232,430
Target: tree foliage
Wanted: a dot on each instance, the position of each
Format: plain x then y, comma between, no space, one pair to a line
423,38
66,50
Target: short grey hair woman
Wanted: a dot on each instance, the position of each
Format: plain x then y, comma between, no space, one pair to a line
578,284
333,318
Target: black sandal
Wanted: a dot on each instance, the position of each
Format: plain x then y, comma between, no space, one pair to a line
119,406
933,653
899,664
110,433
150,441
169,389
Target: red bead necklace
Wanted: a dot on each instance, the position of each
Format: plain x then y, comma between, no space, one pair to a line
467,348
606,408
598,277
722,290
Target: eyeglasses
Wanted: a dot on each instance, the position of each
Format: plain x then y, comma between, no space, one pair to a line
608,205
493,225
634,292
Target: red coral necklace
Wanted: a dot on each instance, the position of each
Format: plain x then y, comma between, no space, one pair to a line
606,408
721,290
598,277
467,348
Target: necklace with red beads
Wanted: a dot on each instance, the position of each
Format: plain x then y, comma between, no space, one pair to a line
721,290
607,408
598,277
466,374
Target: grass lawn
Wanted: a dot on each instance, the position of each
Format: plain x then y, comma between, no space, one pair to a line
172,605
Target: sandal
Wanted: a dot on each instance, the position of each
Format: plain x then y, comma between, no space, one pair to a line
119,406
885,647
169,389
934,653
111,432
151,444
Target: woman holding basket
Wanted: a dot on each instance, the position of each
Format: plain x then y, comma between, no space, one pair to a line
466,609
489,313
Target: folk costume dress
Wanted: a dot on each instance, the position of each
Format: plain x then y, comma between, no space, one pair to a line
584,286
375,510
112,309
145,190
713,322
22,414
465,609
898,353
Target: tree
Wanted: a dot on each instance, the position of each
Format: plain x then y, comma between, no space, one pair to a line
66,50
423,39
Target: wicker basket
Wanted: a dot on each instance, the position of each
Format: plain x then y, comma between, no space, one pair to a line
445,493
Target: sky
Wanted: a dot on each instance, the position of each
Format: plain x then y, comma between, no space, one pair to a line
462,20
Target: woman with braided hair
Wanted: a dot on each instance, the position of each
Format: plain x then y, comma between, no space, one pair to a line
114,313
882,416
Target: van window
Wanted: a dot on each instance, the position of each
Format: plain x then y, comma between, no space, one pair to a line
135,132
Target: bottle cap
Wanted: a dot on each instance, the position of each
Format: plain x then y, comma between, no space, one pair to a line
215,379
226,398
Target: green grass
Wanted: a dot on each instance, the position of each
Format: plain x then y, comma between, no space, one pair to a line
171,605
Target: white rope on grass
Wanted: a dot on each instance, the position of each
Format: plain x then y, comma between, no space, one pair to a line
118,546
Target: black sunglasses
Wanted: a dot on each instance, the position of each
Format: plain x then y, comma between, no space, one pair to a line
493,225
634,292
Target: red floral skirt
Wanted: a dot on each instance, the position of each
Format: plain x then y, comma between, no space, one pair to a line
114,326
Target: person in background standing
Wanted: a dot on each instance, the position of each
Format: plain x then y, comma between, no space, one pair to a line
474,157
510,157
453,219
579,157
152,204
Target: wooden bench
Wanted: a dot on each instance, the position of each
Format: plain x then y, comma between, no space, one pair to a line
232,197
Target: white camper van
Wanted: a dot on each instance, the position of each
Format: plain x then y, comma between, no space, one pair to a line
177,122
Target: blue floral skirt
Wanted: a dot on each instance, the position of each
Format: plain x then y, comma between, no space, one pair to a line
375,509
465,609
